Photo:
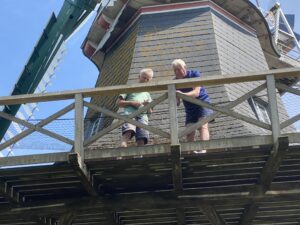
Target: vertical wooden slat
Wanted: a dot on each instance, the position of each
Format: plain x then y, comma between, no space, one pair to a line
271,89
78,146
173,114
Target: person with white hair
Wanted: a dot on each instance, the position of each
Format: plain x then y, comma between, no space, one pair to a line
193,112
132,102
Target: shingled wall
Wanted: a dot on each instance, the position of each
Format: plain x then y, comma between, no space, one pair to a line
208,42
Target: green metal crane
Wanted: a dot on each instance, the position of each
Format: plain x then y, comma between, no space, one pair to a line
58,29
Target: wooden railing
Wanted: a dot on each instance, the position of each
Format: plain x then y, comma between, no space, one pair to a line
167,86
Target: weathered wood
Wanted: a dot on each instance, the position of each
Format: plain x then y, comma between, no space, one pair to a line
82,175
128,120
151,86
216,114
287,88
225,111
79,133
164,149
212,215
40,124
173,114
267,175
271,89
119,123
34,159
98,154
180,215
290,121
67,218
176,168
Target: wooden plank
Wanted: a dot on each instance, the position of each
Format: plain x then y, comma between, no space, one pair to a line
212,215
82,175
151,150
180,215
216,114
34,159
40,124
119,123
173,114
176,168
264,182
79,133
128,120
164,149
151,86
271,89
225,111
67,218
287,88
290,121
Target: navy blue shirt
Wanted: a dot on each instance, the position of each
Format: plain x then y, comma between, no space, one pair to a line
202,95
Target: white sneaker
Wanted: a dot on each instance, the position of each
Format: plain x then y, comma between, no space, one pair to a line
200,152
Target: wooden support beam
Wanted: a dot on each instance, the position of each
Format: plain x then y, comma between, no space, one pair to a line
271,89
212,215
67,218
287,88
240,142
79,133
45,221
264,182
290,121
83,176
180,214
5,194
176,168
173,114
34,159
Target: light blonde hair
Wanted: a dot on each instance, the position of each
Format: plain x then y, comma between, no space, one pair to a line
147,71
178,63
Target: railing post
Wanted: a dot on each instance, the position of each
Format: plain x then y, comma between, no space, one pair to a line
173,114
175,146
271,89
79,136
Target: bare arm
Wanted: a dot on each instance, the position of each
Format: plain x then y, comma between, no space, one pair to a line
194,93
123,103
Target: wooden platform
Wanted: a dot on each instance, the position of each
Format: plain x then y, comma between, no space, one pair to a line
242,185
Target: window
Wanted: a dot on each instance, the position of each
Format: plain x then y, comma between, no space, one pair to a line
260,109
95,126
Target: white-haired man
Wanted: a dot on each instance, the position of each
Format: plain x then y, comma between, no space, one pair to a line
193,112
132,102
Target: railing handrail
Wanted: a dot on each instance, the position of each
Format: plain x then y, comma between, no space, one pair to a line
158,85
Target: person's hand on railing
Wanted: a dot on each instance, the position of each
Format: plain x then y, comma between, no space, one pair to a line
177,98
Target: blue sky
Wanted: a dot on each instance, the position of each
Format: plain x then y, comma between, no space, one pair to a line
22,22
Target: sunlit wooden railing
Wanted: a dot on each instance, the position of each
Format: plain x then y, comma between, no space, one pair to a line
169,88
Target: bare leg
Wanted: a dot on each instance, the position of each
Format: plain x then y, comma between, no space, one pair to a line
125,138
204,132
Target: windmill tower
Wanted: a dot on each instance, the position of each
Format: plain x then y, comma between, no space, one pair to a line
211,38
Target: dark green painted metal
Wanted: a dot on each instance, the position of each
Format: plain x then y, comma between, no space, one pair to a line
58,29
